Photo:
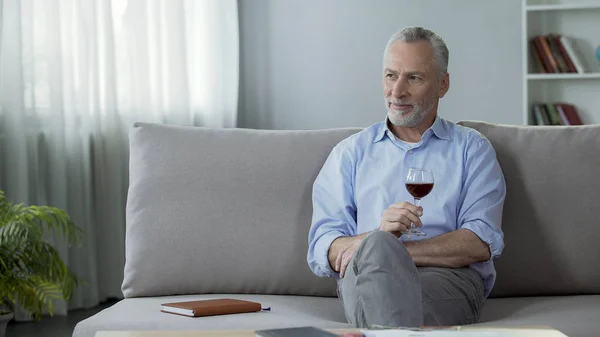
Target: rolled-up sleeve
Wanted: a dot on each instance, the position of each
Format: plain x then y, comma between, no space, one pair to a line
482,196
334,210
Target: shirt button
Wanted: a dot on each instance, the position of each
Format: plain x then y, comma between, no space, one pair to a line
410,151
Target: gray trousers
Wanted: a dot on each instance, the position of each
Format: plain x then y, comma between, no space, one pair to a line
382,286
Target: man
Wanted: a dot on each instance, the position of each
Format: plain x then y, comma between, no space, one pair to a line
361,210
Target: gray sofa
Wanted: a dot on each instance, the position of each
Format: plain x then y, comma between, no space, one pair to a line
225,213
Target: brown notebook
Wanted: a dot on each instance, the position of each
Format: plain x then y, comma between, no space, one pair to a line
221,306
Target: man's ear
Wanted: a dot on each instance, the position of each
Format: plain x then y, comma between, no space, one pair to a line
444,85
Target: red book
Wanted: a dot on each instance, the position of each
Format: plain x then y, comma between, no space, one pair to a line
538,54
561,113
548,53
563,52
570,113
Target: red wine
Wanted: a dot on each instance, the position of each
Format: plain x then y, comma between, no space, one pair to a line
419,190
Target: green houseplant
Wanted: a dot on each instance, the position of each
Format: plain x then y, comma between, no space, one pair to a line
32,272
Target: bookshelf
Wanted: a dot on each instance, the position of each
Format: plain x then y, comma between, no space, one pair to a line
579,20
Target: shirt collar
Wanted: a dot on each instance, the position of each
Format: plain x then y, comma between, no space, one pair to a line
381,131
439,129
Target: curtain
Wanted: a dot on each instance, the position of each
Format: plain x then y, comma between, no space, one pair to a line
74,76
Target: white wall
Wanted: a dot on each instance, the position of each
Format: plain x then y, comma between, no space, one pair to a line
313,64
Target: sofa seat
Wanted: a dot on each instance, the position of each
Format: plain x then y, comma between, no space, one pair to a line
286,311
576,316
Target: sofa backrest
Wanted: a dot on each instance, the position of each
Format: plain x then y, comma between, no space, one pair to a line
551,218
222,210
228,211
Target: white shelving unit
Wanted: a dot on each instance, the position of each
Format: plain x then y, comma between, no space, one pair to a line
580,21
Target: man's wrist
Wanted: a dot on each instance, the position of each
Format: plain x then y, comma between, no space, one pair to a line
411,246
364,235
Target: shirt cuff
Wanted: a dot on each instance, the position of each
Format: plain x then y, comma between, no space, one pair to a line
494,239
322,246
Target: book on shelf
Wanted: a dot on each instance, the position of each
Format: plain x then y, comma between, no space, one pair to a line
555,114
554,53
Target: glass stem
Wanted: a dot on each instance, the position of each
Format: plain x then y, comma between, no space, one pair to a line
417,203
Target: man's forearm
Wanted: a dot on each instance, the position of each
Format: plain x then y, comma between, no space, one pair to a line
453,250
340,243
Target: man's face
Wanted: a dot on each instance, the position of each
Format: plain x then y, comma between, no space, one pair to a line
411,85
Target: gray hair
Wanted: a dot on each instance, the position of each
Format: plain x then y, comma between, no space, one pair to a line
414,34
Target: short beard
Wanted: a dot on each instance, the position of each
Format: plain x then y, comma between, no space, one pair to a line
413,118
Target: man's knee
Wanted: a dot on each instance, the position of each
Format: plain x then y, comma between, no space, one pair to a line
381,236
383,247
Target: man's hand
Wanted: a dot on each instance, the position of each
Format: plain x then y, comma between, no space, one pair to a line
397,218
339,246
345,255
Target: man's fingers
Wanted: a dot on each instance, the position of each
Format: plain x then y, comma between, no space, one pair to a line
407,205
398,212
399,218
338,259
398,227
403,216
346,258
395,226
414,219
343,267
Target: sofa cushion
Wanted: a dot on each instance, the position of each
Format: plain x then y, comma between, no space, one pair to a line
222,210
575,316
286,311
551,218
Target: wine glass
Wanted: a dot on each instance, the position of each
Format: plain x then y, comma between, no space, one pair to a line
419,182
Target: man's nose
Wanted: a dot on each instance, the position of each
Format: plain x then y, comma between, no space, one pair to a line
399,89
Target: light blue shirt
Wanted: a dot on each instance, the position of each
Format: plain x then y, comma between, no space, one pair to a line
365,173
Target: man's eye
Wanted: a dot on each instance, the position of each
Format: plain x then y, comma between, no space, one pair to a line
414,78
389,75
